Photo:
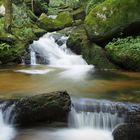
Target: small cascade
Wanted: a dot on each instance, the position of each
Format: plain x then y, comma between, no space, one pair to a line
7,132
32,55
87,113
52,47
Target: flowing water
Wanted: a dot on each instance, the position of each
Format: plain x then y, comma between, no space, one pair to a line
63,70
7,132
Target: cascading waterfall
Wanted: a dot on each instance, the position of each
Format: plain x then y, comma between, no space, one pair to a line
87,113
7,132
52,46
51,49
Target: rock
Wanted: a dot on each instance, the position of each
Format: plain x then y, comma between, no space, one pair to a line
64,19
125,52
39,6
79,14
7,37
127,132
92,53
48,107
2,10
113,18
91,4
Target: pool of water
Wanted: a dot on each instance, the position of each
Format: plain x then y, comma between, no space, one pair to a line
79,81
100,84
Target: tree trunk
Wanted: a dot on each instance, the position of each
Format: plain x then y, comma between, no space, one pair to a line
8,14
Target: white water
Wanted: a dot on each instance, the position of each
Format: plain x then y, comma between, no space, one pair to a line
56,55
7,132
33,56
52,47
34,71
88,113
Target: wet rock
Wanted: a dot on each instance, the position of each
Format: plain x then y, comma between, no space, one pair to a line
127,132
92,53
49,107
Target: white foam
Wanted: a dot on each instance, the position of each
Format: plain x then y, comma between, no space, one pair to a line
34,71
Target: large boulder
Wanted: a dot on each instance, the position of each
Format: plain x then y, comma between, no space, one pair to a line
125,52
92,53
113,18
48,107
127,132
64,19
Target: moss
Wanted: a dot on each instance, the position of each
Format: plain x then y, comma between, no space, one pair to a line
92,53
112,15
10,53
91,4
125,52
63,20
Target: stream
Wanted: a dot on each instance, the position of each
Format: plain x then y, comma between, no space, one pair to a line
54,67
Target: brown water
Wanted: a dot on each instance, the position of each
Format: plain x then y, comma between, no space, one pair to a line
99,84
112,85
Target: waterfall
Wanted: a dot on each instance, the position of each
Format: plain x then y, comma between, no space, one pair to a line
52,47
7,132
33,56
87,113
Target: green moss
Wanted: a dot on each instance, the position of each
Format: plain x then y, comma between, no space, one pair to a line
10,53
91,4
92,53
125,52
63,20
112,14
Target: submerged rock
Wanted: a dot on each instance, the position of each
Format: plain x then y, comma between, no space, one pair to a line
49,107
113,18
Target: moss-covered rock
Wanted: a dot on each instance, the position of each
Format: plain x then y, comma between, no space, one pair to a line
10,53
125,52
113,18
49,107
92,53
64,19
6,37
23,32
79,14
91,4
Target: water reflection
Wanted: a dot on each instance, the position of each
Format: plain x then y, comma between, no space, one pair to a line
114,85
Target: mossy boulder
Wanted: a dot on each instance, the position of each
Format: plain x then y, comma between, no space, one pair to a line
23,32
48,107
64,19
113,18
125,52
7,37
79,14
92,53
91,4
10,53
